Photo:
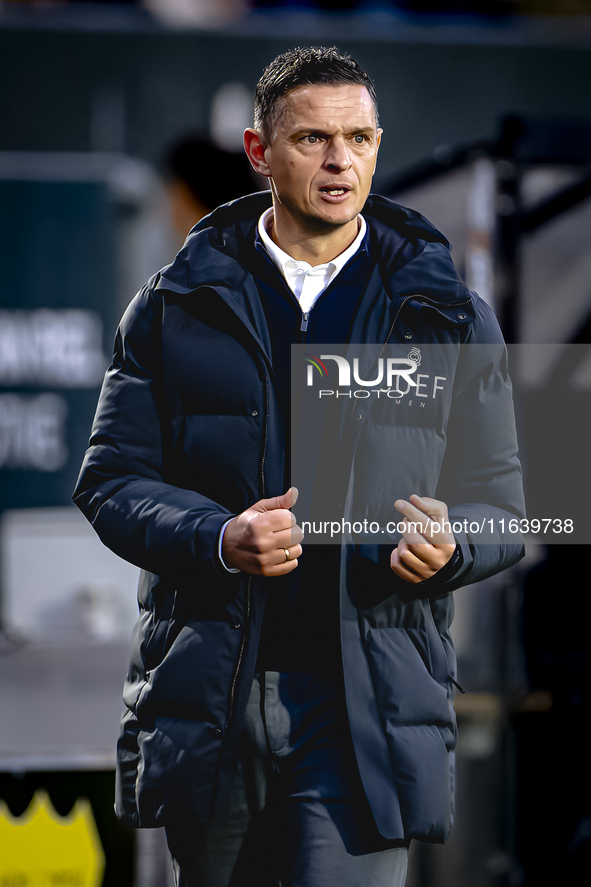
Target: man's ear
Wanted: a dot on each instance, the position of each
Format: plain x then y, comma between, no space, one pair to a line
378,143
255,151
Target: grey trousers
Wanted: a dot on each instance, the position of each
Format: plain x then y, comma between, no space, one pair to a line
298,816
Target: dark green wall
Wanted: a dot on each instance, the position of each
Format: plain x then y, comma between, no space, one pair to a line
429,94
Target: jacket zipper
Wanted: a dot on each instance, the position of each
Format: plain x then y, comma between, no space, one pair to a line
237,667
248,604
265,435
449,676
382,349
306,314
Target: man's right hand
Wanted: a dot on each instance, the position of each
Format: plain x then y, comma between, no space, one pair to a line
257,540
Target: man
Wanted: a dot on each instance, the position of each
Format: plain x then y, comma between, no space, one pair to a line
199,176
289,717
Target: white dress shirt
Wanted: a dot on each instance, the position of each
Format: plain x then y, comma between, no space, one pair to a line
306,281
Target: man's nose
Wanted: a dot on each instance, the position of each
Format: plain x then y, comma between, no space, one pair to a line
337,155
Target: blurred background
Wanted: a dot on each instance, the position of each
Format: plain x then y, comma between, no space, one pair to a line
120,126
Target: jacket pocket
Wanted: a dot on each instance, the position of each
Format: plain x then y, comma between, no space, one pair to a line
177,763
165,630
406,690
440,670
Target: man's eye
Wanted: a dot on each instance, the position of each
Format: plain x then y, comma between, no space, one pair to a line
310,139
360,139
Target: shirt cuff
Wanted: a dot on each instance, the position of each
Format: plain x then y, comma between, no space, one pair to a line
220,540
448,570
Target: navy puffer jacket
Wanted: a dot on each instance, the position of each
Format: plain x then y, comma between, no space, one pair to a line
188,433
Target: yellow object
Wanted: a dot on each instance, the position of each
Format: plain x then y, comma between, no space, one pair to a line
43,849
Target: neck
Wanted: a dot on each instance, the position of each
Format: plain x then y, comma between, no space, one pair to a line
314,247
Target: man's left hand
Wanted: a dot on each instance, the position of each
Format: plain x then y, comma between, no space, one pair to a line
427,543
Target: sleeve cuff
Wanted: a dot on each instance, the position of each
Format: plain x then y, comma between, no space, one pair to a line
449,570
220,540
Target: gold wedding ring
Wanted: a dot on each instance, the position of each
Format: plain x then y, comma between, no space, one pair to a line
286,550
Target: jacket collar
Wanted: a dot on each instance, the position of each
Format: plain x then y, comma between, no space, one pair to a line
414,258
415,261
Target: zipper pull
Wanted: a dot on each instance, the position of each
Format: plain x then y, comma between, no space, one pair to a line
304,324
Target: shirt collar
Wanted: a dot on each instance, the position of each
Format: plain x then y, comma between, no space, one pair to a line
289,266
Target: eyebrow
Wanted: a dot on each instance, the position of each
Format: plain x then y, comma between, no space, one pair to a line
312,131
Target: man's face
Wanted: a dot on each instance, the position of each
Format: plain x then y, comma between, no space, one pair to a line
322,154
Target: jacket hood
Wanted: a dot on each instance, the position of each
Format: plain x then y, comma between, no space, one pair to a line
414,256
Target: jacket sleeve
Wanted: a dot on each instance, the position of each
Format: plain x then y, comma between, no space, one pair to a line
481,479
123,488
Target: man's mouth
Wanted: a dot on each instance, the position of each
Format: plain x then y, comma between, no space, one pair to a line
334,191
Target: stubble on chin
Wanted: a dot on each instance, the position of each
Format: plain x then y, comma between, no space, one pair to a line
310,221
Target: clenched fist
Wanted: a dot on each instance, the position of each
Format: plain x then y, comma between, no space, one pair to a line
264,540
427,544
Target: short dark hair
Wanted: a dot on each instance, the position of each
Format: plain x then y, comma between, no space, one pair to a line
301,67
229,174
